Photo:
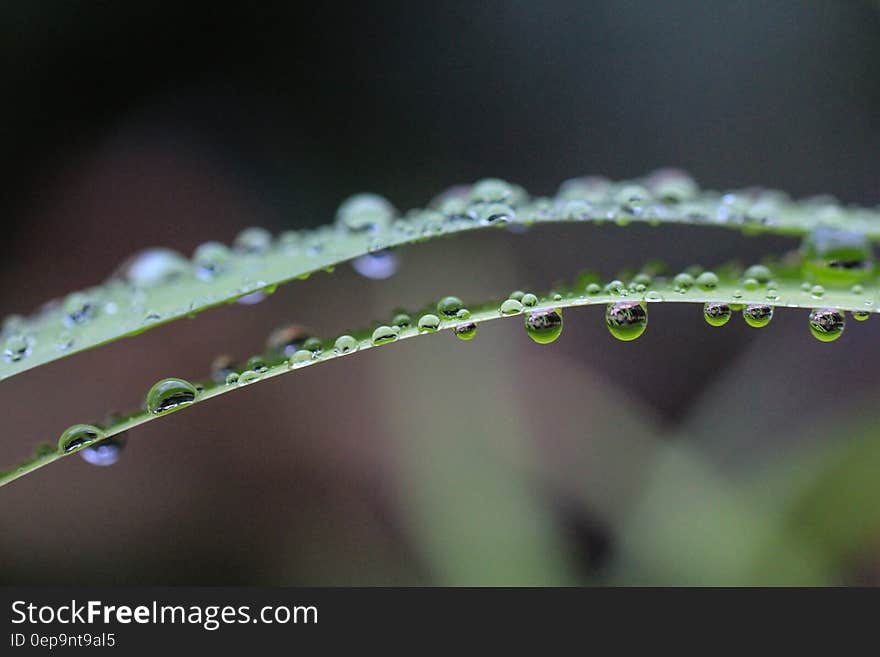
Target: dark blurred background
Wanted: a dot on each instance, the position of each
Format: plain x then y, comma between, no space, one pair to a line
693,456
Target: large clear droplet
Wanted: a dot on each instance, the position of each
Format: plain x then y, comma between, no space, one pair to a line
153,267
78,436
626,320
827,324
835,257
365,213
758,315
170,395
716,313
544,326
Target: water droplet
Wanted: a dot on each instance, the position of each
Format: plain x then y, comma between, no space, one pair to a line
449,306
211,259
314,345
78,308
544,326
301,357
707,281
384,335
249,376
860,315
672,185
758,315
253,241
231,378
378,266
401,320
593,289
286,340
78,436
153,267
626,320
827,324
817,291
15,348
465,331
716,313
365,213
529,300
616,288
491,190
428,323
169,395
837,257
107,452
683,282
760,273
345,344
491,213
511,307
257,364
453,201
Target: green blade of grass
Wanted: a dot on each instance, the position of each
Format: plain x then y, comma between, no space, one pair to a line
643,288
125,306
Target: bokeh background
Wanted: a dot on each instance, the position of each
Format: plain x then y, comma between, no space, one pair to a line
692,456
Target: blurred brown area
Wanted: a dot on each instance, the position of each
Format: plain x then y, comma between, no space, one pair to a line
674,459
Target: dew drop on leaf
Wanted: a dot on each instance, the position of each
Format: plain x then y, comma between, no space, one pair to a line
78,308
314,345
345,344
253,241
15,348
401,320
626,320
529,300
760,273
152,267
837,257
683,282
170,394
707,281
716,313
511,307
257,364
428,323
544,326
211,259
365,213
758,315
78,436
384,335
249,376
301,357
465,331
450,306
827,324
